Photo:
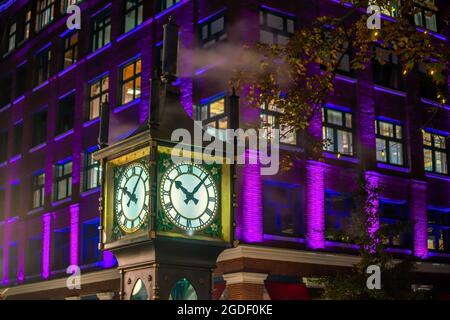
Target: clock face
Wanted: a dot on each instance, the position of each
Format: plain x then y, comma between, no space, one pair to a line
189,196
132,195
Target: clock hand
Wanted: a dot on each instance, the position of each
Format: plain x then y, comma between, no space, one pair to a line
134,190
199,185
189,195
128,193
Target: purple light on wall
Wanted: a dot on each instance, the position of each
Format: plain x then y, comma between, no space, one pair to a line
109,260
372,206
315,212
418,207
252,211
46,244
74,234
186,89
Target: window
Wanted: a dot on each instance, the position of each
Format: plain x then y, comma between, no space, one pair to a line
428,89
98,93
39,127
101,34
166,4
435,152
66,4
393,218
12,31
91,170
27,24
388,74
2,205
133,14
390,142
63,180
90,242
3,146
426,17
270,115
15,199
17,143
42,69
338,209
213,116
70,49
439,230
275,28
283,209
12,262
21,80
61,249
130,82
33,262
45,11
391,9
66,110
337,131
213,31
38,189
5,89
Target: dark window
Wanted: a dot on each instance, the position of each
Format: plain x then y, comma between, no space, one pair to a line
66,110
101,33
425,17
91,170
90,242
39,127
15,199
275,28
38,189
2,205
213,115
166,4
130,81
17,143
388,74
435,152
3,146
61,249
270,119
283,214
98,93
33,264
394,218
213,31
21,80
133,14
338,209
428,89
45,11
63,180
5,89
12,33
390,142
337,131
70,49
13,262
42,68
439,230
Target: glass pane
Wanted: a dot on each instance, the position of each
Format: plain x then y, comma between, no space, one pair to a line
328,137
386,129
344,142
381,150
128,72
439,141
348,120
430,21
428,159
127,92
426,138
139,291
395,153
334,117
287,135
275,22
183,290
218,25
290,25
398,131
217,107
266,37
441,162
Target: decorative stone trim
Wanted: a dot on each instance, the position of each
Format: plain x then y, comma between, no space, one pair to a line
245,277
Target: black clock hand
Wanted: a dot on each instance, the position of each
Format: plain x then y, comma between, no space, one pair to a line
199,185
134,190
189,195
128,193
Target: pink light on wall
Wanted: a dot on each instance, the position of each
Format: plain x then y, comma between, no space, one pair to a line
372,208
74,233
418,207
252,209
315,212
46,244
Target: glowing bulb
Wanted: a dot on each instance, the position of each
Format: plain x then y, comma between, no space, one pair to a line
405,72
339,155
383,153
376,33
431,72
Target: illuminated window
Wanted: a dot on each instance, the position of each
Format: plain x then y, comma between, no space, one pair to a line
389,74
98,93
45,13
91,170
63,180
133,14
213,116
101,31
130,82
275,28
38,189
439,229
425,17
390,142
270,119
435,152
390,9
70,49
65,114
166,4
213,31
42,68
337,131
27,24
12,31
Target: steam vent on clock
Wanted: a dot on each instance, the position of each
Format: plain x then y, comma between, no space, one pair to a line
102,197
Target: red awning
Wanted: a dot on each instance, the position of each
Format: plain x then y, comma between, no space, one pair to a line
287,291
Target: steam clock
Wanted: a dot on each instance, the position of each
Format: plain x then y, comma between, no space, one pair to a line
165,221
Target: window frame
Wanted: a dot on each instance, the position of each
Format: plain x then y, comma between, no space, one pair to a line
100,23
263,24
42,131
88,167
423,17
163,4
390,68
42,64
435,149
61,125
217,37
336,128
133,79
17,138
12,37
387,140
61,177
265,112
68,47
45,13
137,8
102,95
38,187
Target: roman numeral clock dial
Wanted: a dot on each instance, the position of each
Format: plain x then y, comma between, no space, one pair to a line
132,197
188,196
